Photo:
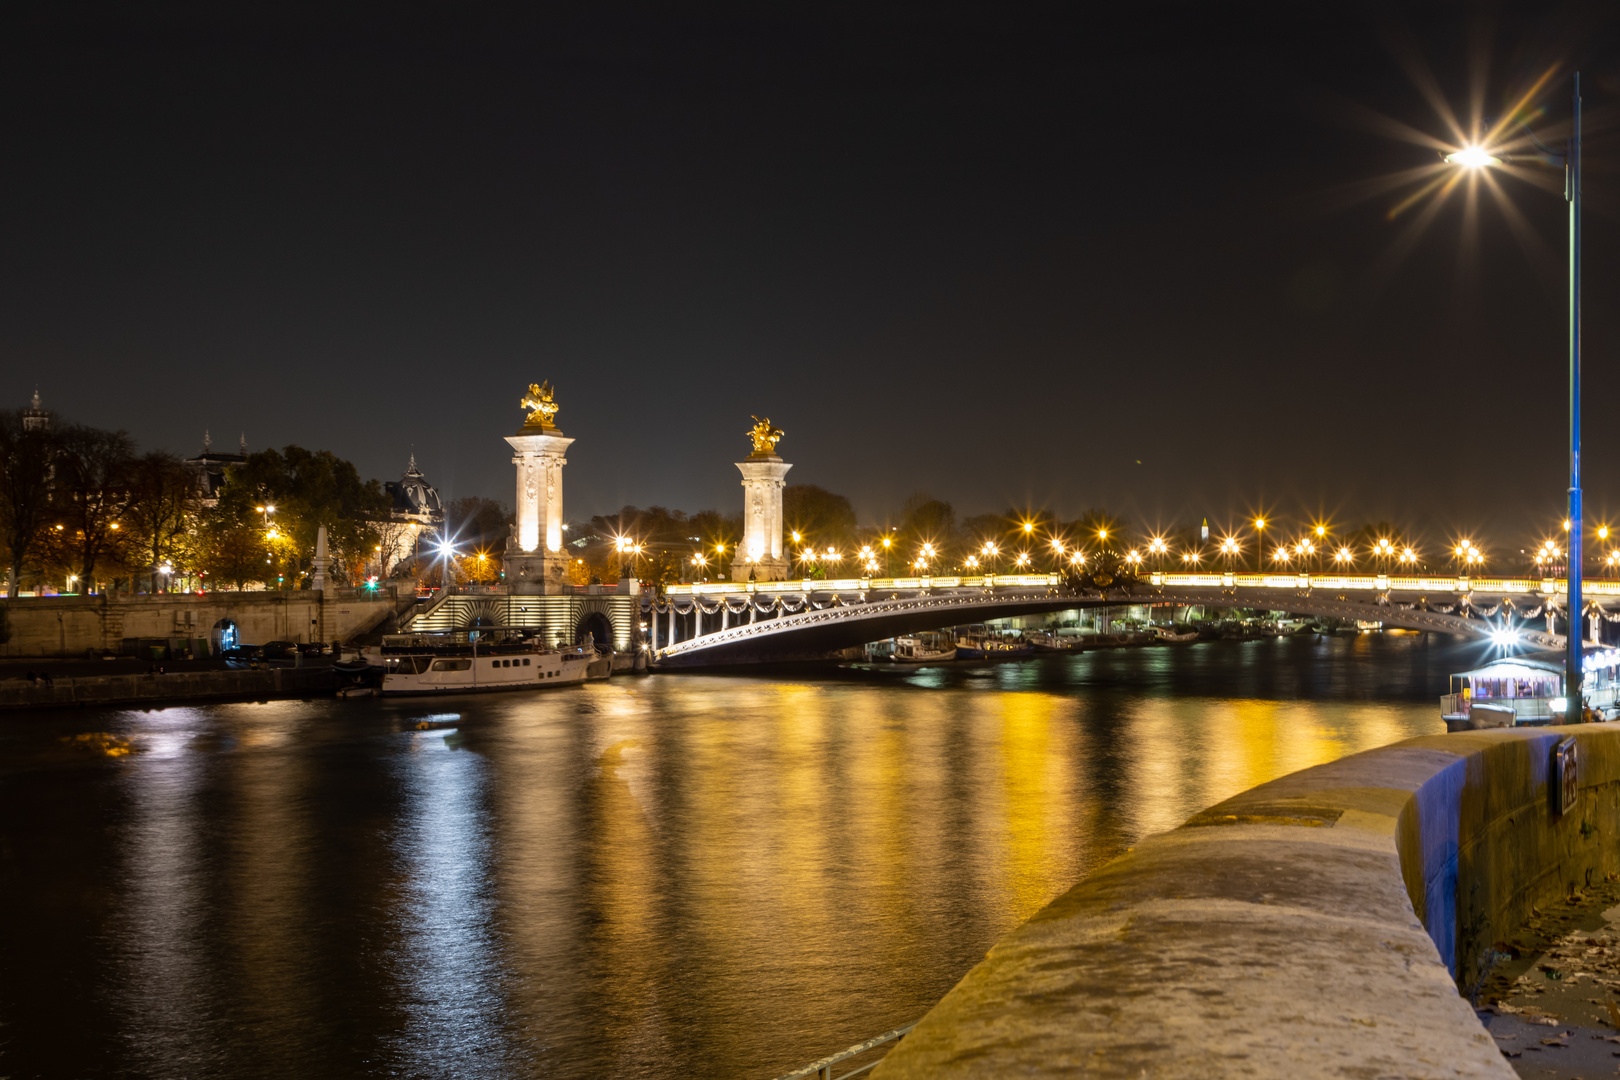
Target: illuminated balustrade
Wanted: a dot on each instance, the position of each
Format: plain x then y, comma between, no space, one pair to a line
1158,579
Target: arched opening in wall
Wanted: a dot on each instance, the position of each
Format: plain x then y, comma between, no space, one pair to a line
598,626
225,635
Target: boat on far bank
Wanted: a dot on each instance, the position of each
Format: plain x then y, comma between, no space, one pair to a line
977,643
918,650
1044,641
1174,637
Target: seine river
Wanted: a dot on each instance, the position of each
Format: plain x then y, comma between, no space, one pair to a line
664,876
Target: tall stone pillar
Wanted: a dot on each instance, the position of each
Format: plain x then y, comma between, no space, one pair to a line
535,561
760,555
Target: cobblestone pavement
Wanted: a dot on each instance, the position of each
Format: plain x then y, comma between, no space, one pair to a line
1552,1002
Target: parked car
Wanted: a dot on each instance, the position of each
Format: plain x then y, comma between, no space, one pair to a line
279,650
242,654
316,648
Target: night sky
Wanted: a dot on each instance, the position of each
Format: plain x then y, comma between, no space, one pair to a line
1050,257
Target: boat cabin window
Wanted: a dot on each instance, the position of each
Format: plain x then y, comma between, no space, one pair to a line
451,665
525,661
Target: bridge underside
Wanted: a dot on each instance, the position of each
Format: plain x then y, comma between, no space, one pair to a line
814,635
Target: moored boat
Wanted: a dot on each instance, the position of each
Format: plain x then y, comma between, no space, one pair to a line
475,662
1044,641
979,644
916,650
1166,634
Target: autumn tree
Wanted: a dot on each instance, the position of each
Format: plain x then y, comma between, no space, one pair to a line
90,495
820,516
161,513
27,463
308,488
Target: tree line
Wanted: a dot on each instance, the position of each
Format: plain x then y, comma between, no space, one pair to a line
85,509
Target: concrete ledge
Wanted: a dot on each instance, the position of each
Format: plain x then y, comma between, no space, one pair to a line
15,694
1315,926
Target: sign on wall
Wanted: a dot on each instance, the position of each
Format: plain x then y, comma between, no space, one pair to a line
1566,775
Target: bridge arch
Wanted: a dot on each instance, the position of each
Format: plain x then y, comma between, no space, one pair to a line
598,625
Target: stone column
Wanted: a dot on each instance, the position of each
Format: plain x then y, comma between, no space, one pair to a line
535,561
761,553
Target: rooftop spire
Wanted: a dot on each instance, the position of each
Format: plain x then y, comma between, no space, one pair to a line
208,441
244,442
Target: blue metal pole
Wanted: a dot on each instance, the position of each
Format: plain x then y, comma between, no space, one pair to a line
1572,192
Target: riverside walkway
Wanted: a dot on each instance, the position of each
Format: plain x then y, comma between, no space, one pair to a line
1331,923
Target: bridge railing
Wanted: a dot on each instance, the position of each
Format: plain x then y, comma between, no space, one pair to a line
1362,582
809,585
824,1069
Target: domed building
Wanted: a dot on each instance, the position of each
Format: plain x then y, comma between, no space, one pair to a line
417,509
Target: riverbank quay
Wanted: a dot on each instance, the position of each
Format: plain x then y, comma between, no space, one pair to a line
1319,925
168,688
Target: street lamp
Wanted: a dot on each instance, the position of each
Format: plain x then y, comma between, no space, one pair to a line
1479,158
1259,541
989,551
888,545
700,562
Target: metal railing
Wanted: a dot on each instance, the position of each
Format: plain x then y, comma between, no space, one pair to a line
823,1069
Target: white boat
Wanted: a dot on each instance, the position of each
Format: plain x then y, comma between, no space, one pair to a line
471,662
911,650
1164,633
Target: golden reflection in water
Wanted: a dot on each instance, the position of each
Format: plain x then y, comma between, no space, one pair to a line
266,895
1034,798
625,893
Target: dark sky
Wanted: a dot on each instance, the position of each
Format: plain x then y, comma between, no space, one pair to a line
1054,257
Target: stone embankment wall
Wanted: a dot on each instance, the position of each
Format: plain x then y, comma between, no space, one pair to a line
168,689
1316,926
74,625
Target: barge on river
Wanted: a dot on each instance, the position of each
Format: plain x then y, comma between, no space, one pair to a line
483,660
1528,690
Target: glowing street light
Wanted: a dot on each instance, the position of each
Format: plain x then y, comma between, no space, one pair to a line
1477,158
1472,157
1259,540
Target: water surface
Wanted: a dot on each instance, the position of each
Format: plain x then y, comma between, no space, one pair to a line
651,877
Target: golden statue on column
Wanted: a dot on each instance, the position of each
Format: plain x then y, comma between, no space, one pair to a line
765,437
542,405
760,556
535,562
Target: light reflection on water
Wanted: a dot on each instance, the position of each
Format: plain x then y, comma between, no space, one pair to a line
649,877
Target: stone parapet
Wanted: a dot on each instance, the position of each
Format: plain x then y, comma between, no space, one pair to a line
1315,926
168,688
57,626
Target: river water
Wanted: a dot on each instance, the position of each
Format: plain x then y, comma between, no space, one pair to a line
664,876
